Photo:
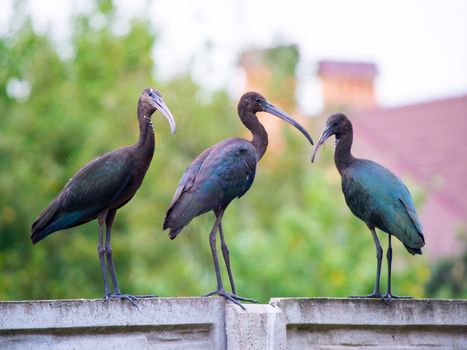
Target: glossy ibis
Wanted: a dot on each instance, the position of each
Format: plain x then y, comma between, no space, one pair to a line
375,195
104,185
220,174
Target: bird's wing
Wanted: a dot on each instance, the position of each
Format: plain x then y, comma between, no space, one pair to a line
96,185
380,198
225,172
99,183
189,176
410,209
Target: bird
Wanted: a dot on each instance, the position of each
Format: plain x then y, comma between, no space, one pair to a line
376,196
220,174
104,185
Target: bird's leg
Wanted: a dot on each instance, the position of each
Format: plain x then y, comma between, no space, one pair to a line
379,257
226,255
107,250
389,257
108,253
388,296
101,250
220,287
212,242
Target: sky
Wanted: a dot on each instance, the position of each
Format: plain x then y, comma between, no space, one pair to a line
420,47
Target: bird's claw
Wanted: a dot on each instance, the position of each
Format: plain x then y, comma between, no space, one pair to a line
243,298
388,297
131,298
231,297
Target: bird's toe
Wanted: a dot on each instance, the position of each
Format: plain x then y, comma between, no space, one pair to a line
237,297
131,298
216,292
369,296
388,297
231,297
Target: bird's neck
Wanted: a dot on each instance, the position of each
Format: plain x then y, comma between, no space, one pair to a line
260,136
146,141
342,154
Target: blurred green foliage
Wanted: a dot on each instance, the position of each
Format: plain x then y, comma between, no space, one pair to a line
290,235
449,278
282,59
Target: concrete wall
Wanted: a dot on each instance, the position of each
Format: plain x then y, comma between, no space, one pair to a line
371,324
210,323
159,323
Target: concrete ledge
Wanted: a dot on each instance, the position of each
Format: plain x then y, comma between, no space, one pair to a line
210,323
159,323
324,323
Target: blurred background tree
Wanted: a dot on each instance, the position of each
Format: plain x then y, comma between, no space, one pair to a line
292,234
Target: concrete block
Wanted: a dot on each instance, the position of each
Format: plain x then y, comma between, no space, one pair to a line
260,327
159,323
211,323
333,323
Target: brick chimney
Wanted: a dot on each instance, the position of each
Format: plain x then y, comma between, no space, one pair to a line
271,72
348,84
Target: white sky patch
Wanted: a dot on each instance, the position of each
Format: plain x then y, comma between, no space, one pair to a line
419,46
18,89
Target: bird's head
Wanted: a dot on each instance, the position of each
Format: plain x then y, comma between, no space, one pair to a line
337,124
255,102
150,101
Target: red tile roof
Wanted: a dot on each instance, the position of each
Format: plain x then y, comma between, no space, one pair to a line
428,141
344,69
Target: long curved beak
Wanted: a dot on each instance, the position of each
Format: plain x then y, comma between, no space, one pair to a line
161,106
267,107
327,132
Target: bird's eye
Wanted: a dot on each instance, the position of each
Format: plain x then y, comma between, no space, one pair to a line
258,100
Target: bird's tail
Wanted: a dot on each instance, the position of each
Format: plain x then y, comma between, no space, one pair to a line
413,251
174,232
39,235
170,223
53,219
414,236
181,213
40,229
60,221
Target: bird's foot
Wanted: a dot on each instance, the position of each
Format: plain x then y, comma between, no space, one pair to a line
133,299
234,298
369,296
388,297
233,295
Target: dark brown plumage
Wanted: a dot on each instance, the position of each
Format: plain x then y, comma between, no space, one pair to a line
104,185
